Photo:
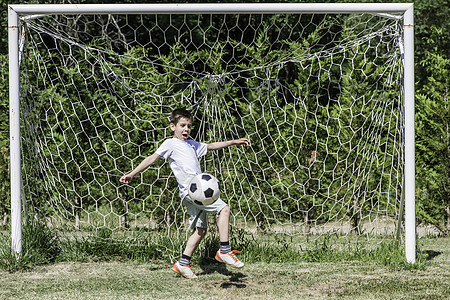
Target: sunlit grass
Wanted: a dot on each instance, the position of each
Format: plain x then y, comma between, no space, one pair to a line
43,245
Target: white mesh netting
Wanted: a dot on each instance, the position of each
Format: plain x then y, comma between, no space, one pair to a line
319,97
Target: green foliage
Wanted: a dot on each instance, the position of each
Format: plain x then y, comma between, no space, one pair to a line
4,25
433,136
98,248
430,15
95,126
108,102
43,246
328,248
5,184
40,246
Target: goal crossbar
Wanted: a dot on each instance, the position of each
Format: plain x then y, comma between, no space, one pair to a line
216,8
15,12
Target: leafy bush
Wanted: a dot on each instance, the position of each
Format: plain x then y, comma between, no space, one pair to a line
40,246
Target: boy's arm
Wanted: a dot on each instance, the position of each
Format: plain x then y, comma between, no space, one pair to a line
225,144
147,162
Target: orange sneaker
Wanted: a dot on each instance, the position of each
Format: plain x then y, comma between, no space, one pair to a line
185,271
230,259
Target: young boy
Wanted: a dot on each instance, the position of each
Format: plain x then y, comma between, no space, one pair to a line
183,154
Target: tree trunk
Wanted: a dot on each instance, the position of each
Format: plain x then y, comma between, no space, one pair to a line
123,219
448,217
355,220
5,220
77,214
306,228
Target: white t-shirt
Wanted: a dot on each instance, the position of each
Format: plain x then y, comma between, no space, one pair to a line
183,160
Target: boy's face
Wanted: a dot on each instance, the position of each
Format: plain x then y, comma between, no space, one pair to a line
182,129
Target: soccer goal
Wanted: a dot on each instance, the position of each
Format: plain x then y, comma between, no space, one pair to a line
324,92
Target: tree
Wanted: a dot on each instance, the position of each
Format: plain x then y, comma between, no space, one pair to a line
433,136
4,142
432,49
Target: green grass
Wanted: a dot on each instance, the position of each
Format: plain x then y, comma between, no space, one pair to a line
276,267
302,280
43,245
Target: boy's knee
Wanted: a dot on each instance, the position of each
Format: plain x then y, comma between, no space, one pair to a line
225,211
201,232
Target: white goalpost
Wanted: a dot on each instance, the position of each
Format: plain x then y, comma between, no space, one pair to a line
327,102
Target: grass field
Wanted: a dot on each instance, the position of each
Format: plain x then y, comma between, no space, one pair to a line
124,279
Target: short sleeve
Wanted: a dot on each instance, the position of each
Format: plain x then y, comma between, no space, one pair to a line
165,151
200,148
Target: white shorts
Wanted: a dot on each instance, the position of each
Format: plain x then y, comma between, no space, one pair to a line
197,213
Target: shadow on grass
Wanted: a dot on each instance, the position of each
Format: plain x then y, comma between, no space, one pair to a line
430,254
235,279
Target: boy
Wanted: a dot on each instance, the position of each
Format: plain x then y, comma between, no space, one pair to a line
183,157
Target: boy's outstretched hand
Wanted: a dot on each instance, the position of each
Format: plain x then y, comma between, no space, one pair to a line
126,178
242,141
221,145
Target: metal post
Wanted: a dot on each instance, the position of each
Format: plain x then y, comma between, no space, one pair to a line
14,131
410,186
220,8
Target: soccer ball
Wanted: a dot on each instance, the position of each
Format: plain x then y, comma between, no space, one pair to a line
204,189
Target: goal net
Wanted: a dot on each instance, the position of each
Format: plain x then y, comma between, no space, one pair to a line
318,95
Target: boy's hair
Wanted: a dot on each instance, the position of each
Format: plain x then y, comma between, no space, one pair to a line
179,113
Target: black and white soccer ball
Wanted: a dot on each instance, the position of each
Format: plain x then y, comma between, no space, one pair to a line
204,189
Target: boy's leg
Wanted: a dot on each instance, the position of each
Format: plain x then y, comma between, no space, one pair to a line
197,220
182,266
224,254
223,223
194,240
